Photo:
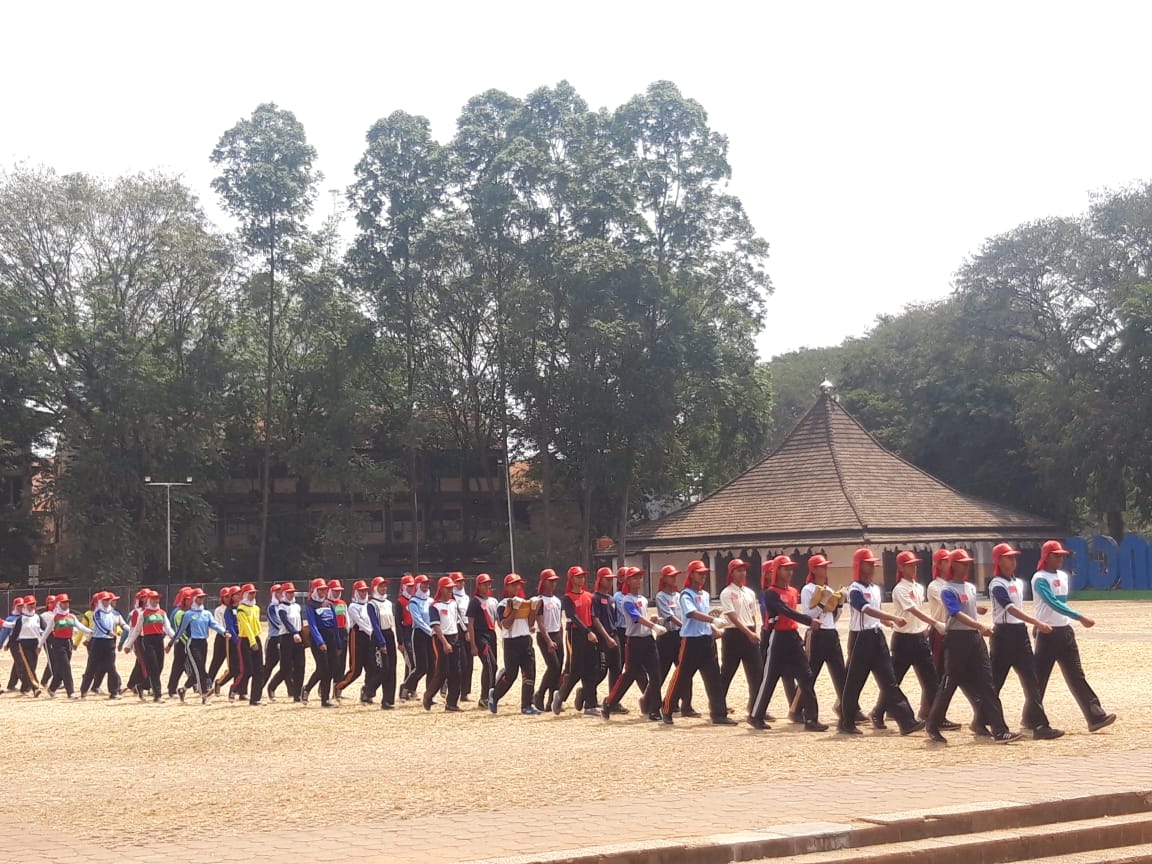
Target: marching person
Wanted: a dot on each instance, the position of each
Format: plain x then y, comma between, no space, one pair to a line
620,634
1050,595
910,646
786,649
46,627
381,671
517,618
221,642
320,625
275,631
233,655
740,644
8,637
698,634
291,638
868,651
444,617
941,569
581,668
966,663
605,618
668,645
59,639
107,623
181,604
338,660
251,649
149,630
549,638
360,650
642,661
1010,646
823,644
421,652
24,642
404,624
193,631
463,603
482,639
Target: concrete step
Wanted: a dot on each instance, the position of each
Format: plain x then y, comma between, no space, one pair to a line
1141,854
1102,835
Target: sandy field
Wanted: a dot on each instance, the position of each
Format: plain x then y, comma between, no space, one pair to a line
228,765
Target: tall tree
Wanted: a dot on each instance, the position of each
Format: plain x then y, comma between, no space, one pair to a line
267,182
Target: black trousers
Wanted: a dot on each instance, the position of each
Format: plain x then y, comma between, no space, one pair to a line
359,654
252,677
868,655
697,654
611,660
101,662
233,662
1059,647
271,657
291,671
738,650
380,671
25,657
219,655
519,659
581,667
151,656
786,657
467,667
60,662
446,669
912,651
668,650
967,666
553,664
322,675
936,640
421,651
824,651
335,668
1010,649
179,666
643,664
486,651
195,658
404,634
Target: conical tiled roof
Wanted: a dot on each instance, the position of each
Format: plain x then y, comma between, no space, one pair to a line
832,482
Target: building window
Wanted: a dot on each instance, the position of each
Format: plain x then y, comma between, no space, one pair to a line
372,521
236,526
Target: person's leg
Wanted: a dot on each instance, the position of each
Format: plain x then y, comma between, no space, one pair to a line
1073,671
255,673
860,660
895,702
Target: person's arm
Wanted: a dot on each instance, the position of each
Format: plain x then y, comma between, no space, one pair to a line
956,609
437,631
1045,591
598,626
860,604
728,607
374,623
185,621
314,627
133,632
690,611
632,609
905,602
777,607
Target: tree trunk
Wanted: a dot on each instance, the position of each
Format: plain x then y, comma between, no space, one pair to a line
587,531
622,530
266,481
1116,525
546,490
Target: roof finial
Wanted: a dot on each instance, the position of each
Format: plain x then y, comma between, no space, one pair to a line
826,387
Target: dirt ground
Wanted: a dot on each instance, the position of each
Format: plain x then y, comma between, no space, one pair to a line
230,765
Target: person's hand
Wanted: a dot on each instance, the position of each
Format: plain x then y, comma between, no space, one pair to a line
1044,628
815,625
611,642
296,638
985,630
549,645
448,649
981,610
659,629
941,627
592,637
901,622
323,649
754,637
167,649
475,651
1086,621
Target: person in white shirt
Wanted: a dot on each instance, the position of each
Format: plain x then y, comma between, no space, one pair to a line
941,568
444,616
517,620
380,672
740,643
549,638
360,652
27,627
1010,647
1050,587
910,647
824,644
463,604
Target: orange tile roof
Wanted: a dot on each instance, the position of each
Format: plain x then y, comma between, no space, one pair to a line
830,481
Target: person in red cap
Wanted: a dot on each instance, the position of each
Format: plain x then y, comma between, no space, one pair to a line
604,623
321,634
910,646
404,623
740,644
107,623
273,644
150,628
642,661
941,568
249,681
291,638
444,616
339,659
517,618
25,640
220,643
549,638
380,672
463,603
668,645
180,604
823,644
786,649
421,637
45,627
482,639
966,663
581,667
699,631
868,651
59,641
192,630
232,651
1010,647
359,638
1050,586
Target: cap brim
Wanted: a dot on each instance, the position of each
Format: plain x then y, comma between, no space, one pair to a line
1013,554
912,561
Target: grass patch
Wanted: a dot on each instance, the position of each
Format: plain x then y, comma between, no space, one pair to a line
1120,594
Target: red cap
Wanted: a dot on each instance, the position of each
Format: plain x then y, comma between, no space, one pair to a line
30,600
815,561
773,568
407,579
377,581
224,592
17,602
907,557
143,592
483,579
276,588
445,582
335,585
359,585
50,599
548,575
286,587
420,579
859,557
668,571
513,579
1002,550
960,556
197,592
316,584
247,588
697,567
736,564
604,573
63,598
1051,547
573,572
457,576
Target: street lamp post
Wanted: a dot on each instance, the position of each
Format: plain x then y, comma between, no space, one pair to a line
168,520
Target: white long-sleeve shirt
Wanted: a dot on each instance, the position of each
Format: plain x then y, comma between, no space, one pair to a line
358,617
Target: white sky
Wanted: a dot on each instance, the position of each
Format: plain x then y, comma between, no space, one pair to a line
875,145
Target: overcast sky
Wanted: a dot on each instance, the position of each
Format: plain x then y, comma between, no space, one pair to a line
874,145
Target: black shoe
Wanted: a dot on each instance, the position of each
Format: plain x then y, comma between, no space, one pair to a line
619,709
578,698
935,737
427,704
303,696
1047,733
861,718
815,726
793,717
605,710
848,730
453,708
538,702
655,717
949,726
758,724
666,719
723,721
327,704
1006,737
180,693
1106,720
877,719
979,731
386,706
689,713
915,727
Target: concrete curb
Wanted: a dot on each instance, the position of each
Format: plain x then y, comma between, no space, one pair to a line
784,841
